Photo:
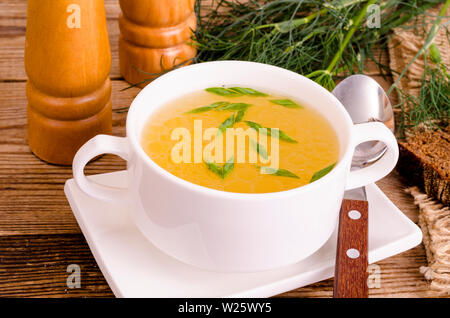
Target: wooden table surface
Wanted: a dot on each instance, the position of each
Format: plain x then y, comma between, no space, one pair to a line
39,236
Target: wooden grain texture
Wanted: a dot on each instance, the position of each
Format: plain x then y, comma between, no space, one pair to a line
36,266
39,236
155,36
32,200
350,274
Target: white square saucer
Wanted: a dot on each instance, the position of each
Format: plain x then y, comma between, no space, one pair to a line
133,267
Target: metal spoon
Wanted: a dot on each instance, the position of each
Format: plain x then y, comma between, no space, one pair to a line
365,101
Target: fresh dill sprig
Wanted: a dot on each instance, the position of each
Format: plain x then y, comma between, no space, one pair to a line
431,109
428,42
433,105
325,77
303,36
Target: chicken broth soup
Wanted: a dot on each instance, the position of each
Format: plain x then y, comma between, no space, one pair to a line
240,139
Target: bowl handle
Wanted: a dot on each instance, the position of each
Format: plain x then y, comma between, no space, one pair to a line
384,165
100,144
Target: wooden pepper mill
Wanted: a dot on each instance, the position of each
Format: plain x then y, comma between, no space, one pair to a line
154,36
67,60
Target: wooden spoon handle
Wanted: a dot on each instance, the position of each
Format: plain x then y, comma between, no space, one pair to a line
350,277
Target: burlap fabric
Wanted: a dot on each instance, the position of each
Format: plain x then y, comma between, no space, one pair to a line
434,217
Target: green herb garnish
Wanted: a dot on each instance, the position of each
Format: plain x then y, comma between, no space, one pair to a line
283,136
324,77
222,172
208,107
253,125
235,91
259,149
223,91
227,123
234,107
248,91
233,119
268,131
319,174
278,172
220,106
239,116
214,167
435,54
302,36
228,167
431,108
286,103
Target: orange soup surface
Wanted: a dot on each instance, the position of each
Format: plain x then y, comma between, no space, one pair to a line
181,138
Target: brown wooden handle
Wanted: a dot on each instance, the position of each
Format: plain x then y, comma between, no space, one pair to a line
350,276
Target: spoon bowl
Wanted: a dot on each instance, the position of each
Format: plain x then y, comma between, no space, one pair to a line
365,101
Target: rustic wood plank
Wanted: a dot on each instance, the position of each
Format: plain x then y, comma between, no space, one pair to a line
393,187
32,200
36,266
399,277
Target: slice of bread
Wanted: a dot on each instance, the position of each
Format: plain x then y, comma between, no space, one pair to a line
425,161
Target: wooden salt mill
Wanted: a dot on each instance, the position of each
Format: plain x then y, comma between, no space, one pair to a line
67,60
154,35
